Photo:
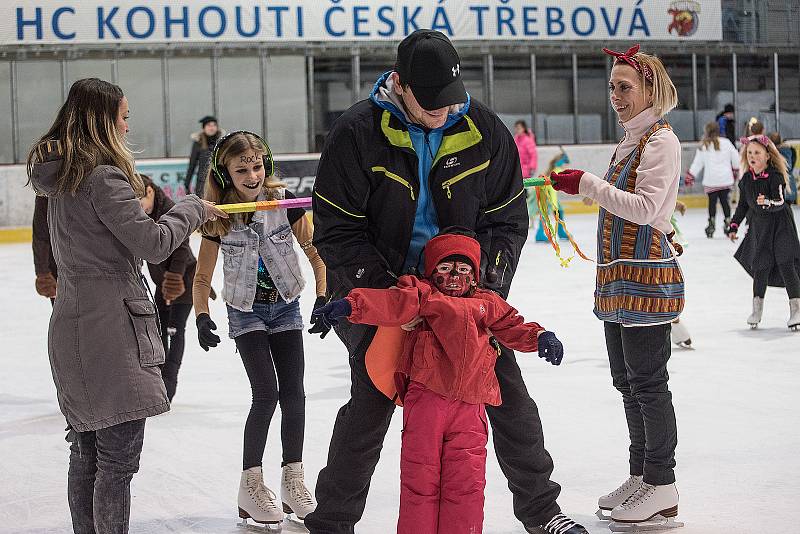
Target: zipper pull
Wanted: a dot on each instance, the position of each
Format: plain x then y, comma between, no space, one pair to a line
449,194
411,189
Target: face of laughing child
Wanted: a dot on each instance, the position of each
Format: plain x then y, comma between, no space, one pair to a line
248,174
757,157
454,278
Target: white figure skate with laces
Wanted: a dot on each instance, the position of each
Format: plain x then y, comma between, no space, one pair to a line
295,497
608,502
649,508
258,502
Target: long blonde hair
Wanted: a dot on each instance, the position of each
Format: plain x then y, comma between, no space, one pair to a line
775,160
665,96
234,146
85,128
711,135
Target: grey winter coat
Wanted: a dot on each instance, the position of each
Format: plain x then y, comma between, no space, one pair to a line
104,341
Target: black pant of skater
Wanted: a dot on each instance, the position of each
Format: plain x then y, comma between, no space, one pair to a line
275,366
638,358
174,316
721,197
790,279
361,426
101,466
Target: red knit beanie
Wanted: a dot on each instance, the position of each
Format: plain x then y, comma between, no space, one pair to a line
442,246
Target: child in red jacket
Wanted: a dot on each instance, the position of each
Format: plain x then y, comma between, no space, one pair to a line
448,365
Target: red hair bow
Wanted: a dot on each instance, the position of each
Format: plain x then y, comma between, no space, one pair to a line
628,58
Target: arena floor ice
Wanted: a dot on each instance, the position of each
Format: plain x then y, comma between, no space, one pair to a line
736,397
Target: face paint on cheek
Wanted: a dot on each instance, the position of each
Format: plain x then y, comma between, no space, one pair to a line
454,285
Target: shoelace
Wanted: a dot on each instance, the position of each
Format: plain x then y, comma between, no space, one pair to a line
299,491
560,524
639,496
263,497
624,487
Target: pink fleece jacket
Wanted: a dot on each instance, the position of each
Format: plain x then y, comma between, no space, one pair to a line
526,146
657,179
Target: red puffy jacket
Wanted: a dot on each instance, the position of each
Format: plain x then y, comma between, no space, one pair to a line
449,352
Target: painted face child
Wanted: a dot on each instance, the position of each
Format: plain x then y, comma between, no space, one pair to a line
454,276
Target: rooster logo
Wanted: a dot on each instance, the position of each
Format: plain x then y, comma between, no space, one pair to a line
685,17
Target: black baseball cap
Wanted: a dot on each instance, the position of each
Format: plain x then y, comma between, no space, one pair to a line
428,62
208,118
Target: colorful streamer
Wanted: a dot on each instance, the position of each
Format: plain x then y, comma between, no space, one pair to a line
546,202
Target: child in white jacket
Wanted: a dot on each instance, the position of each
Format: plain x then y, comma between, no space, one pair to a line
718,159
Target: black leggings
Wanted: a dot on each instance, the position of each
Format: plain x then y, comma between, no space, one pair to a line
722,196
172,316
265,356
790,279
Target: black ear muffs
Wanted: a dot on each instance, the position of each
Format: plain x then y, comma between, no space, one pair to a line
221,174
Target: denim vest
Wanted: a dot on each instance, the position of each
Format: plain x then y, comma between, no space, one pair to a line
269,235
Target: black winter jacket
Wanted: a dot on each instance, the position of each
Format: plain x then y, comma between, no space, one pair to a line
367,185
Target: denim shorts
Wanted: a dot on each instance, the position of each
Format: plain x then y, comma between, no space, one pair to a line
270,317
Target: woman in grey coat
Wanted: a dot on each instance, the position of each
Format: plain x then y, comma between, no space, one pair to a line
103,342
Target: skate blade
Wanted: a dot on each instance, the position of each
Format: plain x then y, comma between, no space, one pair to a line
260,527
603,515
753,326
657,522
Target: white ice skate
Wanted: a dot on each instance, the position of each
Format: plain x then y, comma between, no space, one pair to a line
680,335
295,496
258,502
794,314
758,309
649,508
608,502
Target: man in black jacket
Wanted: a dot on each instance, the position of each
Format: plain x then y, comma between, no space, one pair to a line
200,159
417,156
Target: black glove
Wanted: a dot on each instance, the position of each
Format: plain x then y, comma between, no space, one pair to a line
332,312
318,325
550,348
205,336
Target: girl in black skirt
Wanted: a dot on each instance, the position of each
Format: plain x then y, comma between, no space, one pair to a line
770,252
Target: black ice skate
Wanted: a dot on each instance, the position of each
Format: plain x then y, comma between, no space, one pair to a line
559,524
710,228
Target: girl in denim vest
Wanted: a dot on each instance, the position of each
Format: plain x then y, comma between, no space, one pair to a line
263,282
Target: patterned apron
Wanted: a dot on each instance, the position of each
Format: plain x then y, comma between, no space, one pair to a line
639,281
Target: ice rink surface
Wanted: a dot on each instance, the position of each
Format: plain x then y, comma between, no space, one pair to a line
737,399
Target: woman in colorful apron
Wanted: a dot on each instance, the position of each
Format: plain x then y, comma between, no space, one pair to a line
639,282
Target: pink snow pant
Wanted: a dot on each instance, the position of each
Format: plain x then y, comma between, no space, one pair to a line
442,464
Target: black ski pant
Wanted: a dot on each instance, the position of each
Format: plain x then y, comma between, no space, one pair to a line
172,316
638,358
361,426
721,197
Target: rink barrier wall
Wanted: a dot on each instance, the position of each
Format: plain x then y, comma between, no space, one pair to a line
297,172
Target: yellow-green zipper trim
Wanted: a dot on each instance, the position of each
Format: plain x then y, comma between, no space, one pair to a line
458,177
396,178
498,208
339,207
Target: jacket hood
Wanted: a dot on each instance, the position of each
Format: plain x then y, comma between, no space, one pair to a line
384,97
46,166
